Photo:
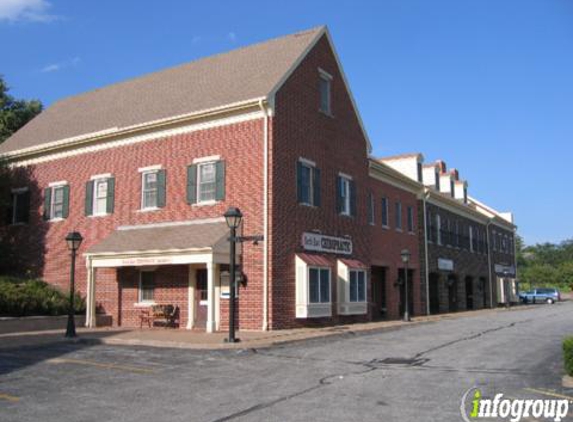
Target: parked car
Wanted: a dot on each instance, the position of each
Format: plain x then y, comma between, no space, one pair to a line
543,294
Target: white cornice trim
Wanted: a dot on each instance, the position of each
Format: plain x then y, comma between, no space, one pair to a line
208,159
129,140
455,207
387,174
174,223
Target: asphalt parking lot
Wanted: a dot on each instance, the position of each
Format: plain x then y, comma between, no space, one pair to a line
412,374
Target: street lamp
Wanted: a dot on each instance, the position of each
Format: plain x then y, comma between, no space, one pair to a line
233,218
405,254
74,240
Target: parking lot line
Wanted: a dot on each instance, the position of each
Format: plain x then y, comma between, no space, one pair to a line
548,393
9,398
126,368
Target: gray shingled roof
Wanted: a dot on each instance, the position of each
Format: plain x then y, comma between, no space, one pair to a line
239,75
165,238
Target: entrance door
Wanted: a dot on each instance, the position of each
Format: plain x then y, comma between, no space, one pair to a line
469,293
434,294
201,299
403,292
452,294
378,292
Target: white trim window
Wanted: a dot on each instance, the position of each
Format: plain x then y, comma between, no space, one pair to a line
146,291
100,197
345,195
357,286
207,181
410,219
398,215
149,183
438,229
308,183
385,212
325,92
318,285
56,201
313,290
371,210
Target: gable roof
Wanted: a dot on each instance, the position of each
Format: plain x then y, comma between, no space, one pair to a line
246,74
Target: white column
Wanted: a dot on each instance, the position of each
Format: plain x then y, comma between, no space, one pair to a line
217,275
191,304
90,296
211,324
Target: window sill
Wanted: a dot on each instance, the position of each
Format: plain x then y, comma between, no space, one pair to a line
304,204
144,304
400,230
17,224
56,220
206,203
342,214
98,215
149,209
326,113
386,227
411,233
314,310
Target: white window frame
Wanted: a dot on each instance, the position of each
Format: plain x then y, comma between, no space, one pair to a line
399,219
345,182
471,236
200,165
345,305
15,193
304,308
53,188
411,219
320,270
372,216
140,299
326,77
439,229
96,181
307,164
143,174
357,271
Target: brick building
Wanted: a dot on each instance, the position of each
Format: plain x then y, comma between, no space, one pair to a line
145,169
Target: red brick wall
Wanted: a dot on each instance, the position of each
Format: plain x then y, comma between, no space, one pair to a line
240,145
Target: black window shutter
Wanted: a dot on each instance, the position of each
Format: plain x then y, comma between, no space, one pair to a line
66,204
9,211
161,191
316,180
110,200
89,203
353,198
220,180
299,181
192,184
47,203
23,209
338,194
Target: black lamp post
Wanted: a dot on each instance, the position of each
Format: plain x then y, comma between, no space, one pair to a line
405,254
74,240
233,217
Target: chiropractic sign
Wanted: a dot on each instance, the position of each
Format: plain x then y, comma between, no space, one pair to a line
321,243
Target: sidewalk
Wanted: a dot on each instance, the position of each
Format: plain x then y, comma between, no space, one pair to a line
173,338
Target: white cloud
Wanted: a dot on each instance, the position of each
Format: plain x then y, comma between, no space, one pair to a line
54,67
26,10
232,36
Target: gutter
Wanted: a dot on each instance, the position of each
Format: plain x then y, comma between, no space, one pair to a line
265,326
425,196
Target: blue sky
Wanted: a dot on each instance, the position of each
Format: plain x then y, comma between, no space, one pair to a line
486,85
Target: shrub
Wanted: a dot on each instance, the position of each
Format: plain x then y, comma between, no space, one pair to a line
20,297
568,355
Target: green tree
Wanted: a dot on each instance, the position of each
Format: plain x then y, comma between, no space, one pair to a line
14,113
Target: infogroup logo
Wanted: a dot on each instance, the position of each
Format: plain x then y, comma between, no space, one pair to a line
475,406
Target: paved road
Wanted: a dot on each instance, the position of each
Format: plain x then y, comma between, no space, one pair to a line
413,374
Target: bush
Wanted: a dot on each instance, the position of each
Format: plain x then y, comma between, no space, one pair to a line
20,297
568,355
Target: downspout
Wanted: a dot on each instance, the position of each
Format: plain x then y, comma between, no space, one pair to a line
489,265
265,215
425,196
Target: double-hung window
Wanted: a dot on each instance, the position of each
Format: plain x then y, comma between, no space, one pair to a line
398,216
385,218
19,211
357,286
206,181
371,209
410,219
152,188
324,87
308,183
346,196
146,287
100,195
318,285
57,201
438,229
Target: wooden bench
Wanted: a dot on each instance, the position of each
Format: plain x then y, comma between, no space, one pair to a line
166,314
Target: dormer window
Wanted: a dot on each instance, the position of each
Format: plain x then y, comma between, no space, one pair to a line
324,86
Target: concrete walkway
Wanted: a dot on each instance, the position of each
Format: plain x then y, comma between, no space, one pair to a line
174,338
